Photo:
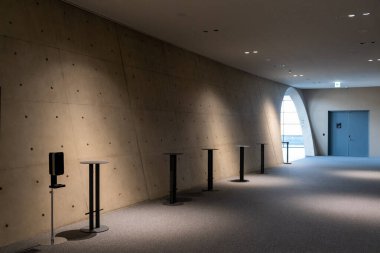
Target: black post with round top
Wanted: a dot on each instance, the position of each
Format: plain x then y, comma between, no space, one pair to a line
91,228
241,178
287,152
173,180
262,152
210,169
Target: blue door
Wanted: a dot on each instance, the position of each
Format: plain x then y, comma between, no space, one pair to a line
358,133
348,133
338,133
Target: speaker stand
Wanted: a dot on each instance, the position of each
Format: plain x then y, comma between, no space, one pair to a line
53,240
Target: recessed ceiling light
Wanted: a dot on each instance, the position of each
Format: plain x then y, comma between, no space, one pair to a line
351,15
366,13
295,75
255,52
378,59
301,75
337,84
370,60
246,52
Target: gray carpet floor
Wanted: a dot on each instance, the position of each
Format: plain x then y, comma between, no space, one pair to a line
319,204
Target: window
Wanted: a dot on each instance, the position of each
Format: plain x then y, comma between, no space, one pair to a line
291,131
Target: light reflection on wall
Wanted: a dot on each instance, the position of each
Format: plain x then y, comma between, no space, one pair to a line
223,131
272,120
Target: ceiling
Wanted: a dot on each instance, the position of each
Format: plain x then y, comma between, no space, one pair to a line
312,38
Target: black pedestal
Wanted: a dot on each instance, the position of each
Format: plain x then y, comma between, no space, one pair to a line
173,180
241,178
287,152
210,169
91,228
262,170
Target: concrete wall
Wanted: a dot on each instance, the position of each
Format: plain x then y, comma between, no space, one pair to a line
320,102
77,83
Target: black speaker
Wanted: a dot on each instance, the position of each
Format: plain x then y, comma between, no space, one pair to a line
56,164
56,167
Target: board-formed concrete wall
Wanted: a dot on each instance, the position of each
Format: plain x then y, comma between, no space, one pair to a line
319,102
74,82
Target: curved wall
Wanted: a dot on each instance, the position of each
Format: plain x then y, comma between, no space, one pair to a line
77,83
304,120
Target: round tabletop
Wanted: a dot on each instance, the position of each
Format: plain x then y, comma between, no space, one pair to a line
93,162
242,146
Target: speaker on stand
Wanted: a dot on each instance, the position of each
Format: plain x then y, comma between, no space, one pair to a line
56,168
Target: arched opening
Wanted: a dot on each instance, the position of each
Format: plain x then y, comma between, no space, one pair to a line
295,128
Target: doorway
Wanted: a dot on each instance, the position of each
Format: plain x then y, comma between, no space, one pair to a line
291,131
295,127
348,133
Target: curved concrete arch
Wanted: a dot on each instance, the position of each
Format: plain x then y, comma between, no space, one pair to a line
304,120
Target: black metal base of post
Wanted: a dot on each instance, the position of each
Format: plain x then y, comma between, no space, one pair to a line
239,181
100,229
287,163
167,203
178,201
212,190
